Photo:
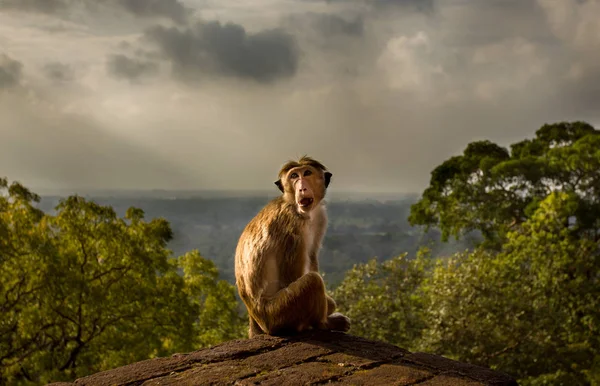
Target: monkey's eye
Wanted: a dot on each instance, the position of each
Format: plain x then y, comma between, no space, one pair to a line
307,173
294,175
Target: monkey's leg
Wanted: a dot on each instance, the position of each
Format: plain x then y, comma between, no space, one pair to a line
300,305
330,305
254,329
335,320
338,322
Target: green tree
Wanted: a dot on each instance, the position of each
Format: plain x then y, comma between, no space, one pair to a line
85,290
526,300
491,190
532,310
384,299
219,319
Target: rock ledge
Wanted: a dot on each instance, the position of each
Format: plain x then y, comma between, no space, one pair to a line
311,358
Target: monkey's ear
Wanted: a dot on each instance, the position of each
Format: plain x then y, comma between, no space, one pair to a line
327,178
279,185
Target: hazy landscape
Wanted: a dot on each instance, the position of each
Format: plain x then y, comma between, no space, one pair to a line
360,227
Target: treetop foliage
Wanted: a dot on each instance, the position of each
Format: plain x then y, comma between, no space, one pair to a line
530,309
526,300
84,291
490,190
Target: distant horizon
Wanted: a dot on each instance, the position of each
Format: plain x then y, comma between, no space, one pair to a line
160,193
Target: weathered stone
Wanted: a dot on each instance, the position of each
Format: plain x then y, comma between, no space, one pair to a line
451,380
490,377
343,359
220,373
395,373
301,374
310,358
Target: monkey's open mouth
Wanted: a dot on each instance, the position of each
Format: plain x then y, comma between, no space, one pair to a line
306,201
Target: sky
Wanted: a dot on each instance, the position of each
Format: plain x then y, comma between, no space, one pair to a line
218,94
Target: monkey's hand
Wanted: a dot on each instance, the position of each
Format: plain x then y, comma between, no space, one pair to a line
338,322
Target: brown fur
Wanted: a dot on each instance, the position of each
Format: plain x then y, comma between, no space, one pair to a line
304,161
276,260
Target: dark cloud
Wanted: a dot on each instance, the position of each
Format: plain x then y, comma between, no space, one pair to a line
43,6
336,25
172,9
59,72
10,71
419,5
476,23
124,67
227,49
579,96
337,45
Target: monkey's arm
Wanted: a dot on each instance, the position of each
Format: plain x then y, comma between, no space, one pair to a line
314,267
320,228
282,310
314,262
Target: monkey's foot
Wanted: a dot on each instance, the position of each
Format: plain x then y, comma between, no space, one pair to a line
304,327
338,322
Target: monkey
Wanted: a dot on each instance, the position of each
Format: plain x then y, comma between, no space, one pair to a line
276,258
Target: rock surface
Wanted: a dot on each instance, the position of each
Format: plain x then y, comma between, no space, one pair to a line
311,358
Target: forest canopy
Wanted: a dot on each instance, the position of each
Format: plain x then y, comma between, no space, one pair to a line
526,300
84,291
491,189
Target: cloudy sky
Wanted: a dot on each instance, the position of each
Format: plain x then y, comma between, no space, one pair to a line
217,94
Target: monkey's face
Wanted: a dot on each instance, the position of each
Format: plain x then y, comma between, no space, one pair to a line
307,185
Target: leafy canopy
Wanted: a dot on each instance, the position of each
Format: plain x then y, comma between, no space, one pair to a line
491,190
526,300
531,310
384,299
84,291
